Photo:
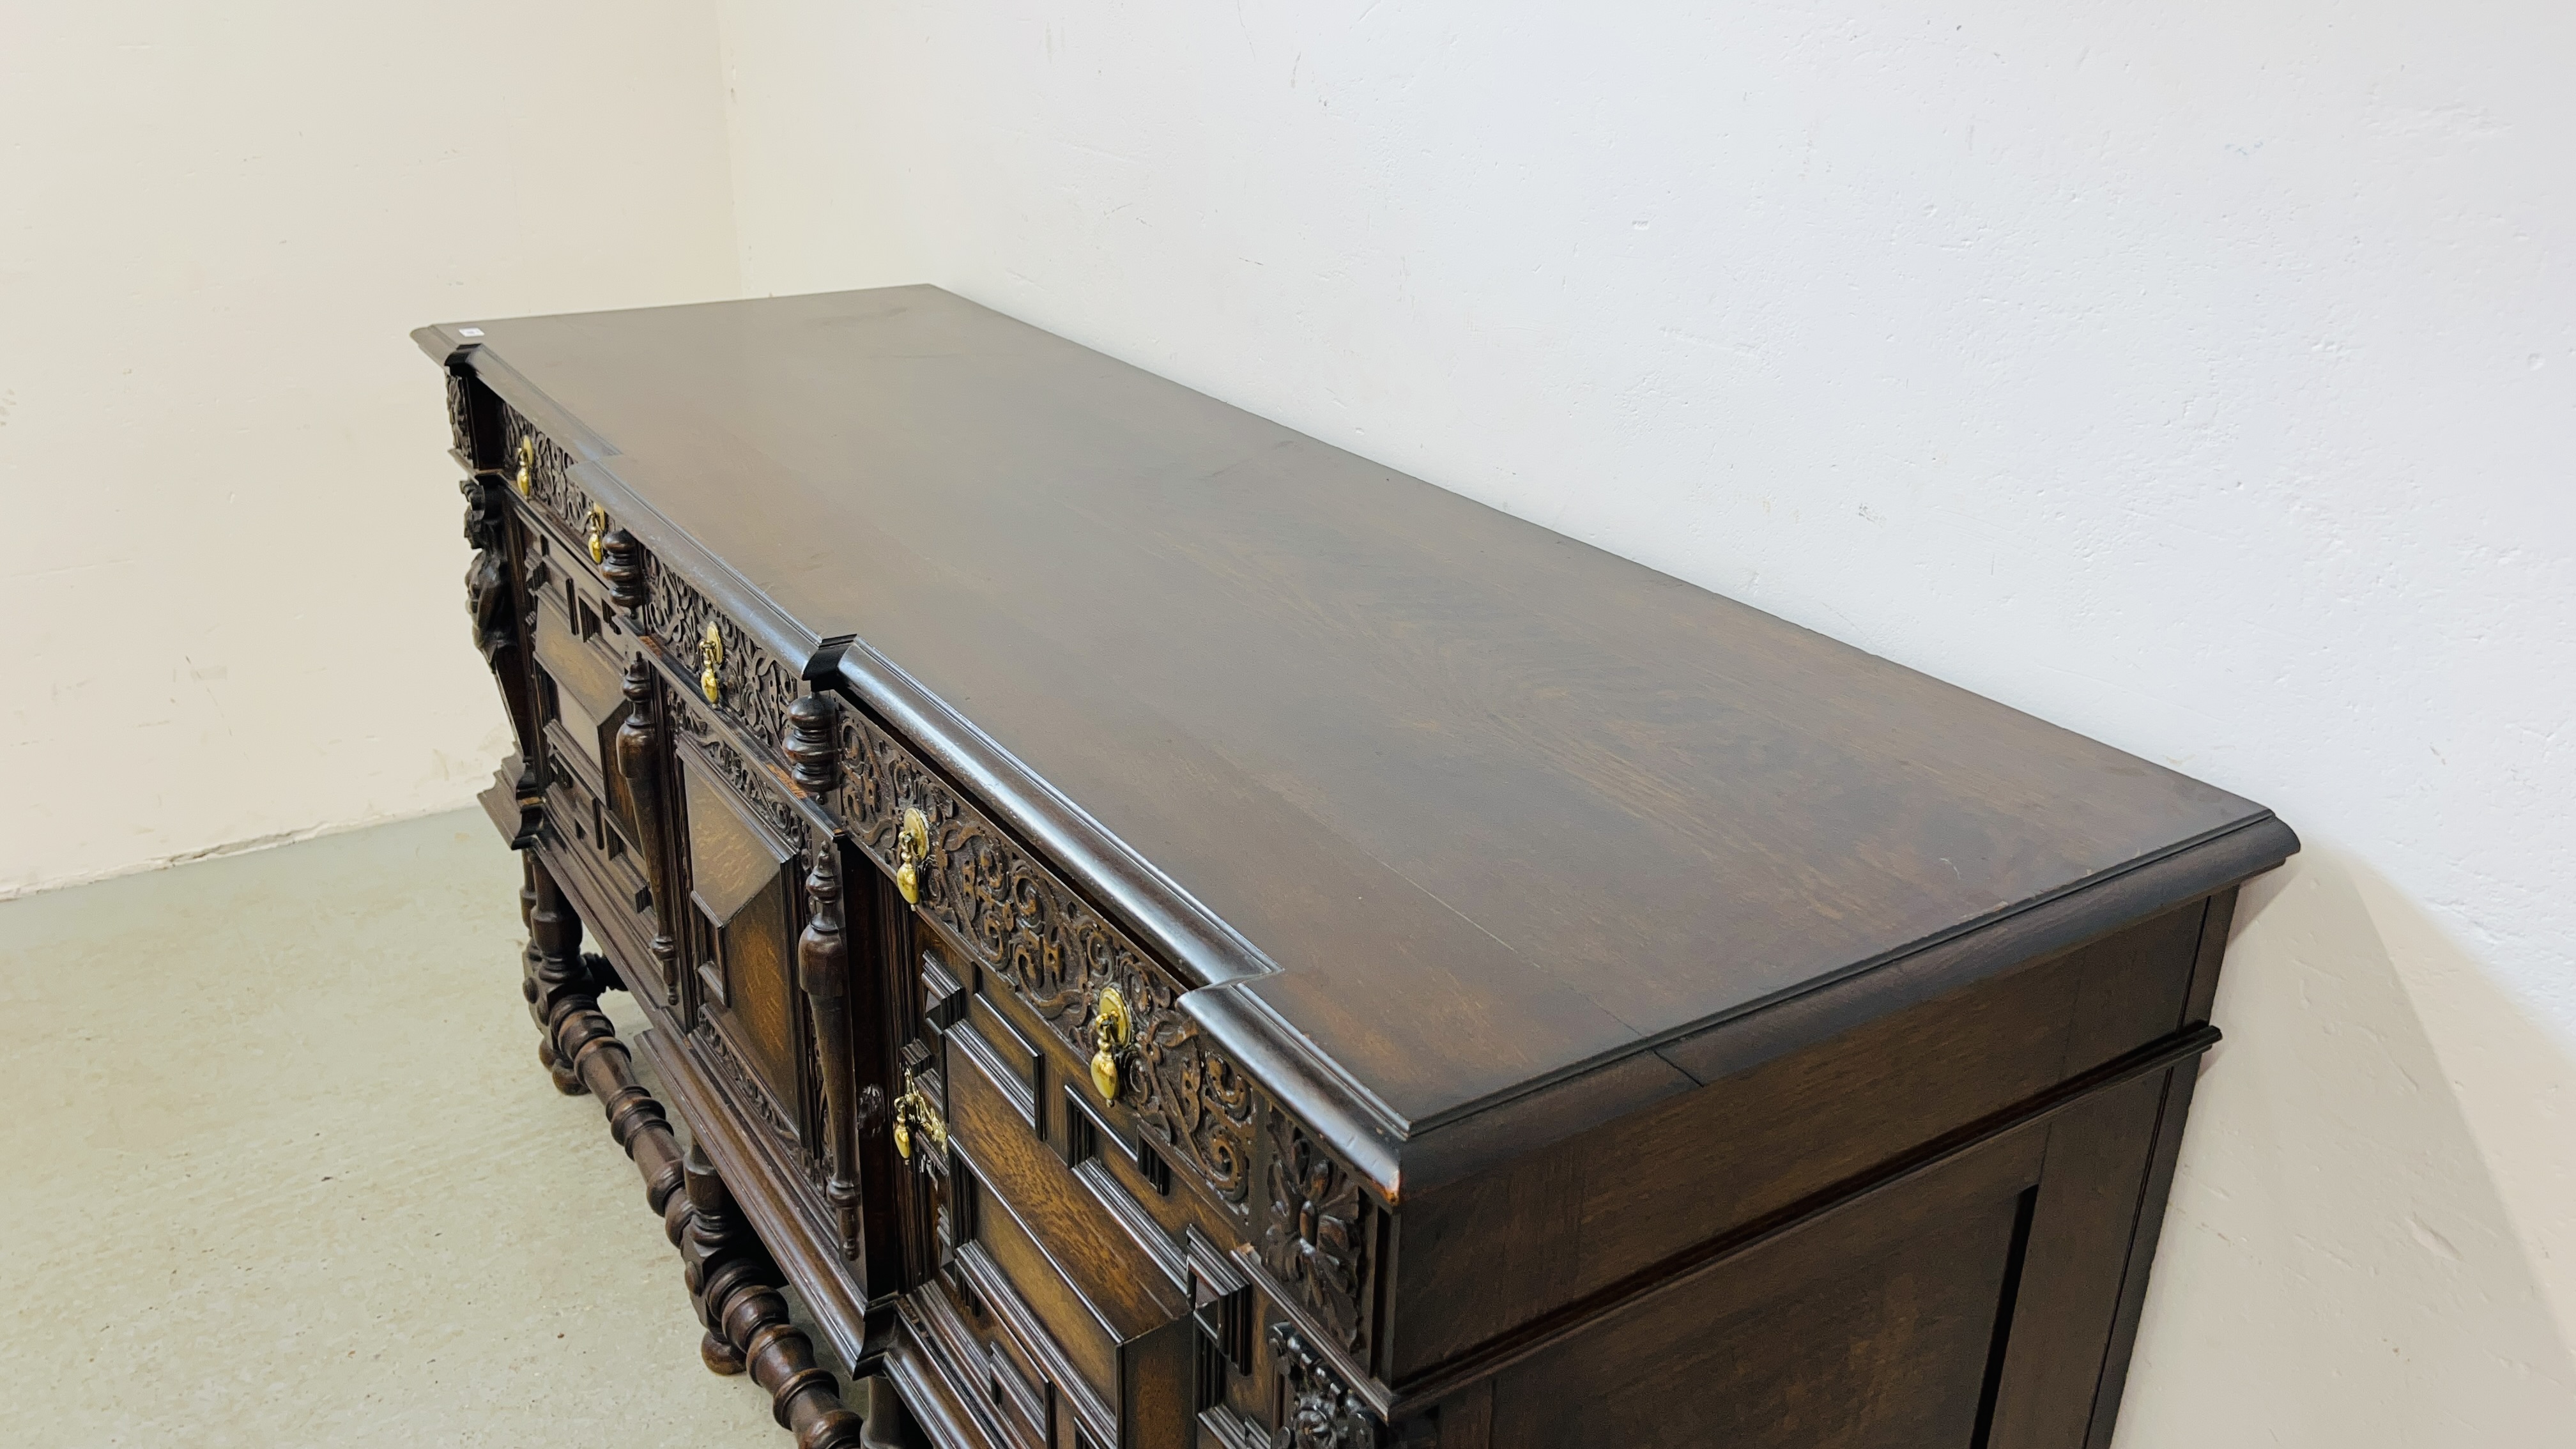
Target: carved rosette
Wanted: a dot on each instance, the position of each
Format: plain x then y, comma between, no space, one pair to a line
1316,1409
1026,925
1316,1231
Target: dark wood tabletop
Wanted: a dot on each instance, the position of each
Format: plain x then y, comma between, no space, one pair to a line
1498,805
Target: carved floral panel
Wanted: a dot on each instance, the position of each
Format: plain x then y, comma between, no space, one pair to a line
1315,1236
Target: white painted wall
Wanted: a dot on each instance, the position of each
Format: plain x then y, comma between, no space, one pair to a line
229,551
2199,377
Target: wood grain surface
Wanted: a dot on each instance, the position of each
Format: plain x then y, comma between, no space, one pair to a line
1500,807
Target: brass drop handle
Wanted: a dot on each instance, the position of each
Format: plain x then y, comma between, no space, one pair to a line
710,654
527,464
598,526
1113,1034
915,1117
911,849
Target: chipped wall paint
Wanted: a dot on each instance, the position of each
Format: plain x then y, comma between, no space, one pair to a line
231,561
2199,378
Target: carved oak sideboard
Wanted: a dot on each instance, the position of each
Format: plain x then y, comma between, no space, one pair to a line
1163,932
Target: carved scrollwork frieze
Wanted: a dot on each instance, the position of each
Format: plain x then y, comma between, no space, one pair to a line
753,686
1316,1409
1317,1238
1057,952
740,678
539,467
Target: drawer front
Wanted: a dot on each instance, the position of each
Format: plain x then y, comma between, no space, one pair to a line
1139,1229
538,470
748,688
1019,929
1067,1265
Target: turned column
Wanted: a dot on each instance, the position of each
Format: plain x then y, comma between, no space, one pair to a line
731,1282
557,980
587,1041
731,1278
823,971
639,762
715,1235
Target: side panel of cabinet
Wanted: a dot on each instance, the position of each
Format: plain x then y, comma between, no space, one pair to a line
1770,1133
1872,1327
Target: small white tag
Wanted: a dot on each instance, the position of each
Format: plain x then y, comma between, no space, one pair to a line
469,331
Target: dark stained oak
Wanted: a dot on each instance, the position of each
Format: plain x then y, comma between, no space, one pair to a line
728,1277
1165,932
1404,744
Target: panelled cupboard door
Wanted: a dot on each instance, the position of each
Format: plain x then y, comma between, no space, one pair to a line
587,695
743,892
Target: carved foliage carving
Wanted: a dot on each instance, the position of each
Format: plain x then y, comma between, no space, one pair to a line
460,412
1317,1410
758,687
1191,1096
1315,1237
550,491
1058,952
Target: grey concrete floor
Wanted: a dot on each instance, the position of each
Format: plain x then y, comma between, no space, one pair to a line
281,1169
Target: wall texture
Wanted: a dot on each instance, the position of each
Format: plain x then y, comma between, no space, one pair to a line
2198,377
230,559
